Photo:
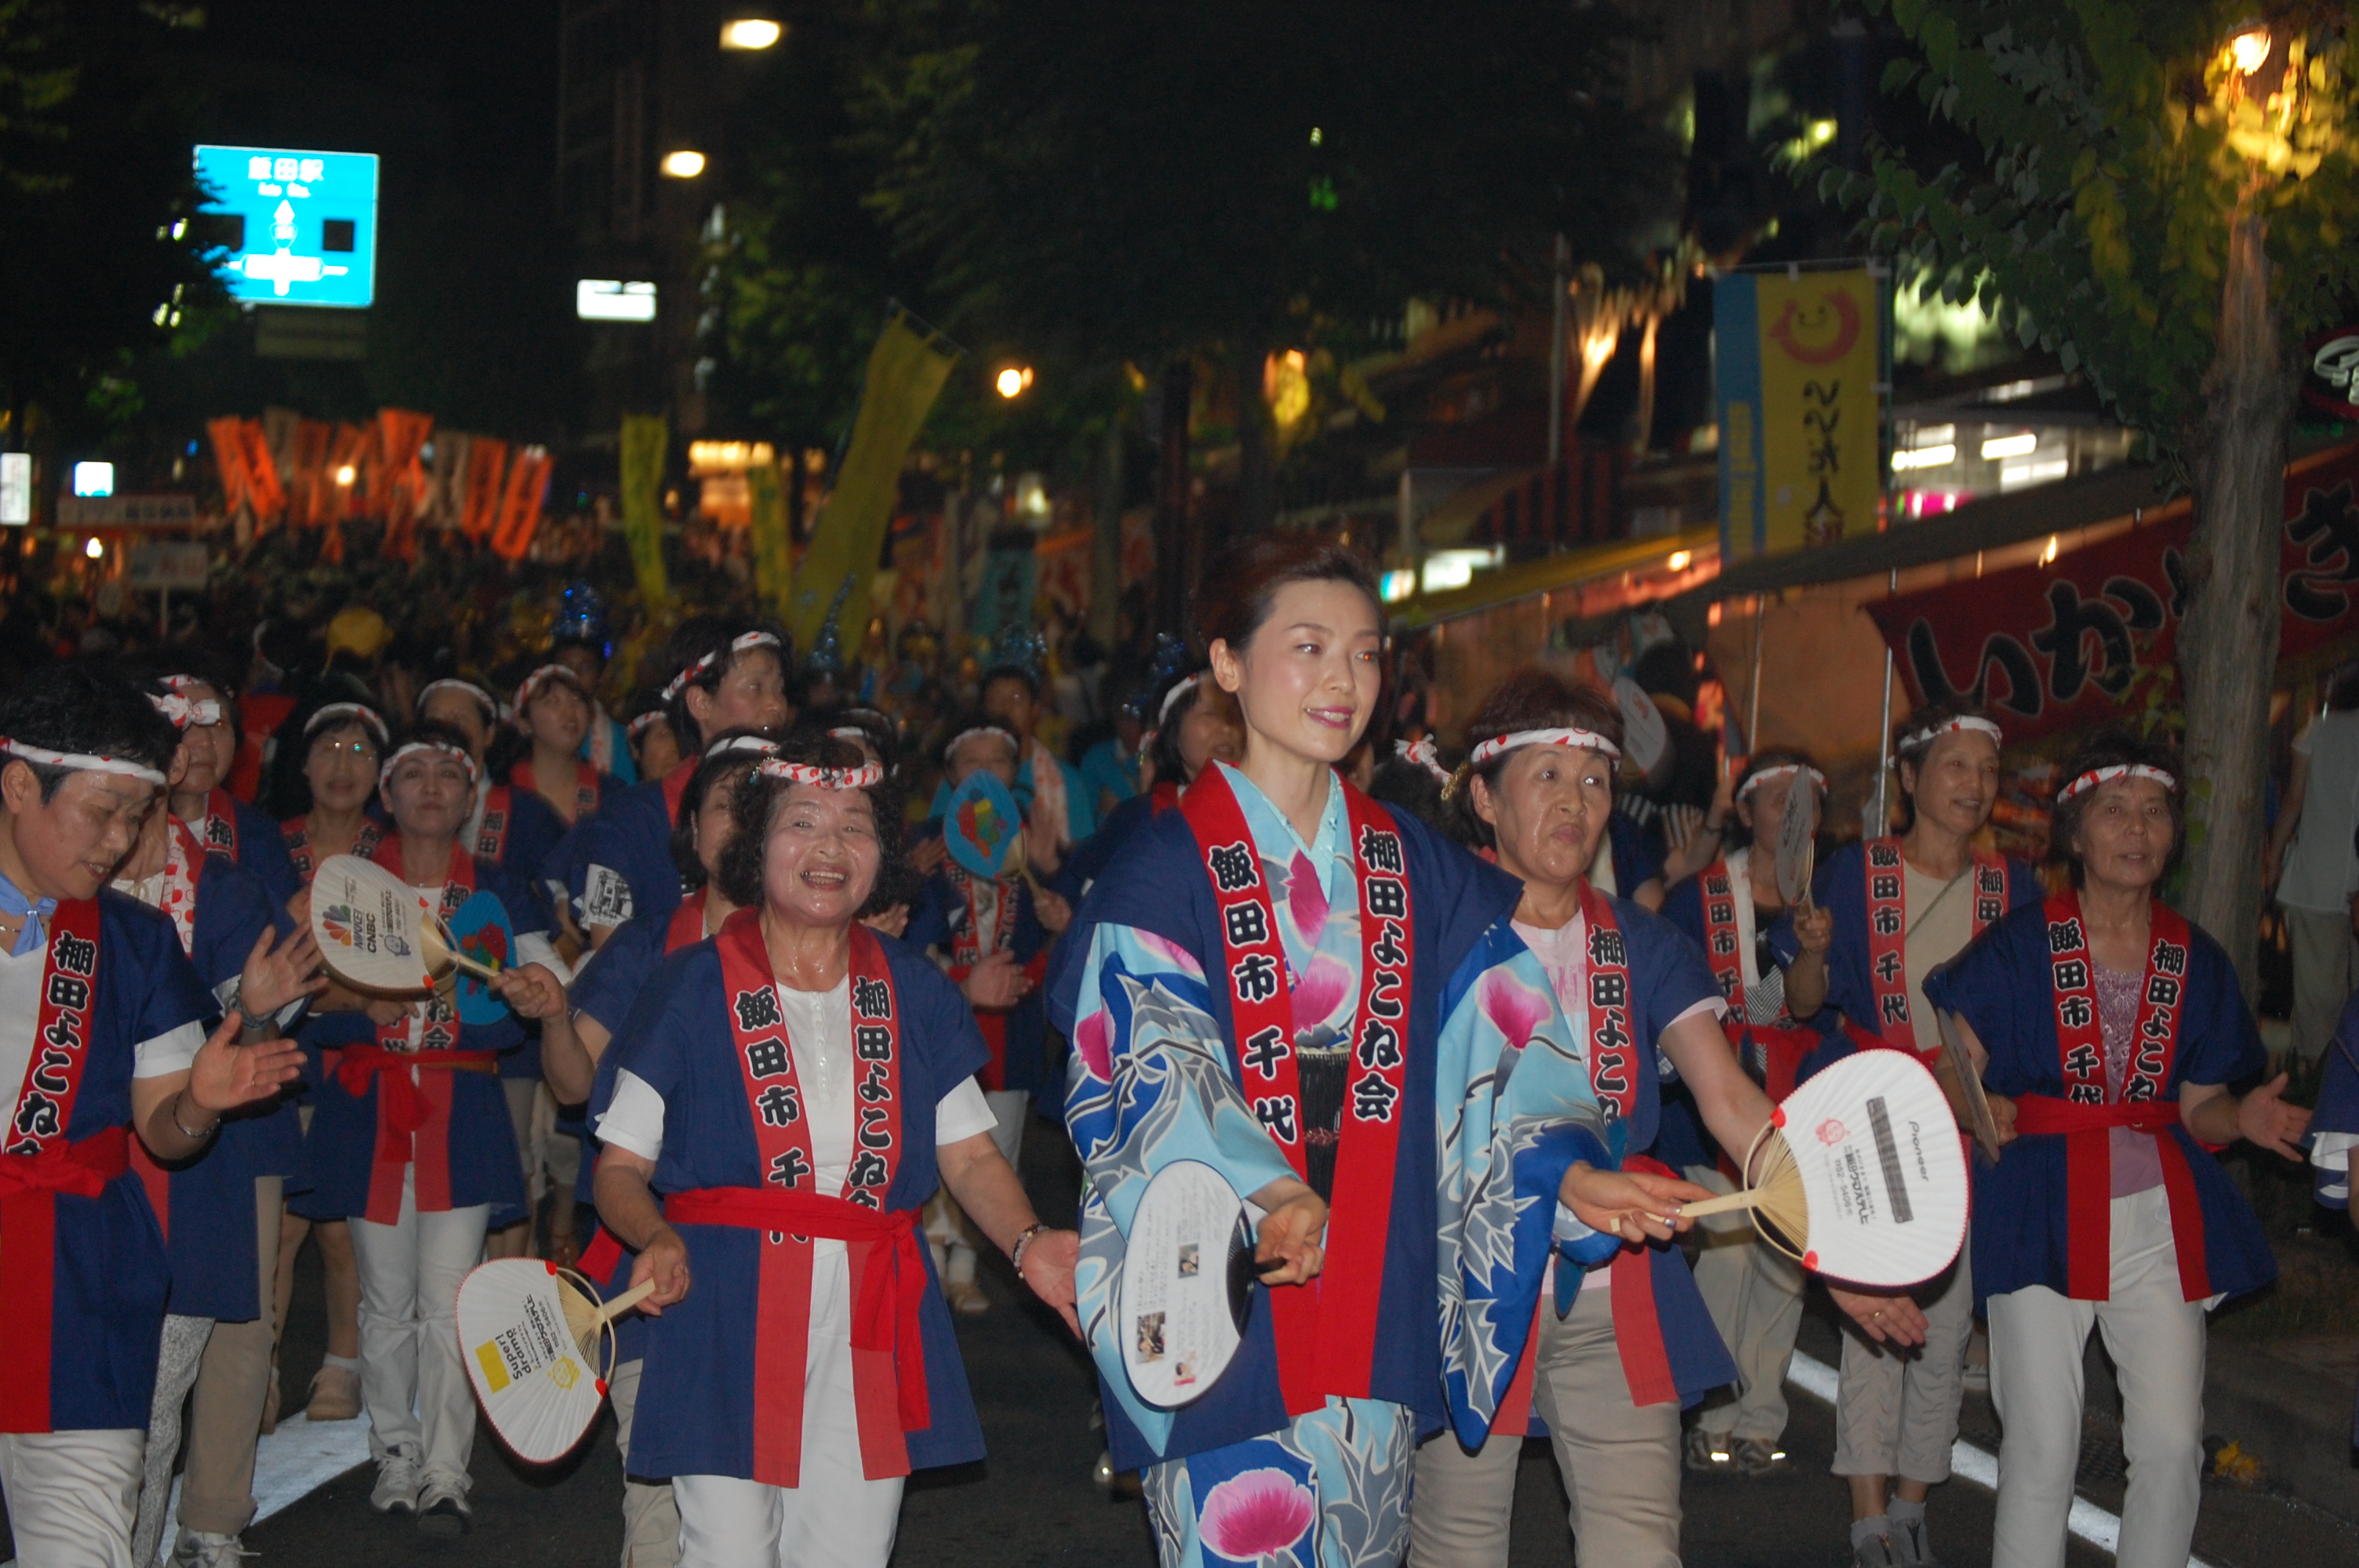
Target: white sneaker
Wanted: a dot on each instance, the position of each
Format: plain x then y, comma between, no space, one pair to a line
396,1485
442,1509
203,1548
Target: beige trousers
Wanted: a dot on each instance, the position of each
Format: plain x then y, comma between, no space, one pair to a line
1620,1461
2325,973
1897,1414
651,1518
2156,1340
70,1495
217,1485
1755,1295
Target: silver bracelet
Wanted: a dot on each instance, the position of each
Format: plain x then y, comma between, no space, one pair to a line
1015,1253
200,1137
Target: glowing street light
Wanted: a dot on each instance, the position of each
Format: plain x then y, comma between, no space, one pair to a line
685,164
1012,381
95,549
750,33
346,474
2250,50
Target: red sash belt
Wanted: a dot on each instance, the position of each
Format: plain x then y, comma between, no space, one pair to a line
889,1352
407,1110
29,1185
2088,1188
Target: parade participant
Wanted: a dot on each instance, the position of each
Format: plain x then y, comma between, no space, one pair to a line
726,676
101,1027
606,747
1901,907
1057,805
1359,956
219,1215
474,713
1629,1342
785,1446
411,1142
655,750
345,745
1195,723
2107,1028
573,1050
225,824
1754,1291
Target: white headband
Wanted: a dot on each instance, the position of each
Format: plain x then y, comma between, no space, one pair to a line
866,776
1163,714
338,712
1572,737
851,732
77,763
737,645
1927,737
963,736
643,723
1779,772
179,685
482,698
1425,754
414,746
759,745
187,713
2096,777
542,678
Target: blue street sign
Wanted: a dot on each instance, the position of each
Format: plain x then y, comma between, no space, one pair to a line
293,228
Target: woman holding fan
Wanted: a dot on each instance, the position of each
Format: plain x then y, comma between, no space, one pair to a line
2107,1028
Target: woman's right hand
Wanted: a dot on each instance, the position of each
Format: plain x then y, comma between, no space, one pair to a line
663,1259
997,984
1814,929
927,855
1290,1238
2002,1109
383,1012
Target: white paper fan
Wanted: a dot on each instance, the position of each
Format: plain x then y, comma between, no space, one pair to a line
1644,735
1863,1176
538,1349
370,925
1797,839
1186,1275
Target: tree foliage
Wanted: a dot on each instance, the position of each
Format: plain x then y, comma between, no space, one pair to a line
2116,148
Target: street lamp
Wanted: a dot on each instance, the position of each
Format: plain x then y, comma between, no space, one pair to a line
685,164
2250,50
1012,381
750,33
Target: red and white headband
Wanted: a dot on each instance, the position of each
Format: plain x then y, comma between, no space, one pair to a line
187,713
963,736
867,776
736,647
1578,739
1782,770
1425,754
481,699
336,713
1950,727
2096,777
80,762
542,678
1171,698
754,745
179,686
643,723
413,747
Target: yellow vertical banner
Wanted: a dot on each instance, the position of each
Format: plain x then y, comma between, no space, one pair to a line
774,551
644,438
906,371
1822,355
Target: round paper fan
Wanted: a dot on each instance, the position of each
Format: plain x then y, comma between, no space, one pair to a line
539,1347
1863,1175
1186,1272
370,925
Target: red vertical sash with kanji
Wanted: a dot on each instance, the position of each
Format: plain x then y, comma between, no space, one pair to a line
1326,1331
1721,940
1777,1048
221,823
38,1163
184,861
586,784
2087,1112
968,948
886,1401
297,835
1887,933
492,836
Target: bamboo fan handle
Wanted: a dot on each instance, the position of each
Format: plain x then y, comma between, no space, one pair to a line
487,973
626,1300
1727,1202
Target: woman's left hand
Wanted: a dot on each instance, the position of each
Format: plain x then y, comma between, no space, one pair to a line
1052,911
1892,1319
1048,1261
277,973
2264,1118
892,920
531,991
226,1075
1633,1205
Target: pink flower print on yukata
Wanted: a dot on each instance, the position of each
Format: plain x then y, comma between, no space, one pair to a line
1092,1038
1256,1517
1318,992
1306,900
1514,1008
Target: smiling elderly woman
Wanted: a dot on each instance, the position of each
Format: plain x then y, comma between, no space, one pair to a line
2108,1027
797,1085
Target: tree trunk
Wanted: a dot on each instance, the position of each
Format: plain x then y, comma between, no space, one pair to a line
2228,644
1174,567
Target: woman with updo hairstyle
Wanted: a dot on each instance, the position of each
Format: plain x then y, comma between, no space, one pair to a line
2107,1028
1884,915
1314,995
796,1086
1632,1342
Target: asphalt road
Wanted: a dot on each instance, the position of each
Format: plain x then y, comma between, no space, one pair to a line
1034,1500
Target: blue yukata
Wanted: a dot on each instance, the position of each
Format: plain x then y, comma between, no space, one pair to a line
253,840
1487,1128
617,864
968,921
1089,859
82,1315
1637,857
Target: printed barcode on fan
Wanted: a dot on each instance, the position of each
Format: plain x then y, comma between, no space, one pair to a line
1888,1154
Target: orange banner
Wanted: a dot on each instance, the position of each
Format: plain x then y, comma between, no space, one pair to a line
521,506
486,468
401,435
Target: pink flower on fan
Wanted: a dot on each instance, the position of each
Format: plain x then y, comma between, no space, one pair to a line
1306,902
1092,1038
1320,992
1517,1009
1254,1517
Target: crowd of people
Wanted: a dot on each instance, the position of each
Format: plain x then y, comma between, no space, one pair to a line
771,1050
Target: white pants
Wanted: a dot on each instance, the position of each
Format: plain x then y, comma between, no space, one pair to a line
1011,1107
837,1518
70,1495
2157,1339
650,1520
412,1381
1897,1413
1755,1295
